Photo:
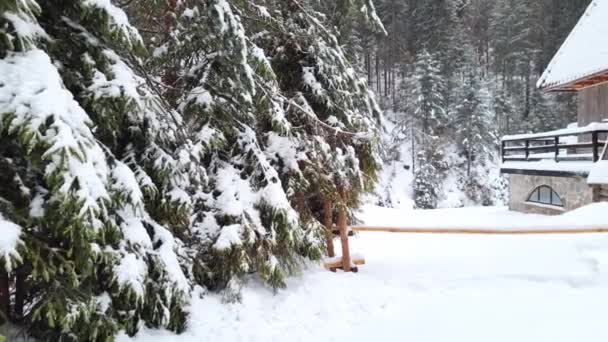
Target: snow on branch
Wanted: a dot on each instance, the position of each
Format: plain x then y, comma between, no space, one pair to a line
9,243
43,114
118,20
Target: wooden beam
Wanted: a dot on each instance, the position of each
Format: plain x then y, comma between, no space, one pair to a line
479,231
605,151
593,80
344,234
328,218
337,262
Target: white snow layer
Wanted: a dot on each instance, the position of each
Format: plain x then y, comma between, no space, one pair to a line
9,241
229,236
24,26
589,217
31,90
572,129
132,271
425,288
167,255
581,167
117,17
585,50
598,173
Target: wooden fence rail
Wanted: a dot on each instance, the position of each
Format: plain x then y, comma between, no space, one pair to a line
479,231
530,148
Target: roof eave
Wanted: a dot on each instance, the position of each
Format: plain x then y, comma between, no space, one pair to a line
591,80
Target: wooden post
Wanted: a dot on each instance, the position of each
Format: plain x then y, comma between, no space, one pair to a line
328,220
527,150
502,150
595,193
556,149
170,76
344,235
596,145
604,155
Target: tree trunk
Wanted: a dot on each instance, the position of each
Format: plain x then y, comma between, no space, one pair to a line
413,149
4,297
329,222
469,162
386,75
170,77
469,146
344,235
527,98
368,65
20,290
378,85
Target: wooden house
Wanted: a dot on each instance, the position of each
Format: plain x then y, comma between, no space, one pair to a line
554,172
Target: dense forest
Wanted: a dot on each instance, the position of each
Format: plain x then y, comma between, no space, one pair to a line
454,76
153,150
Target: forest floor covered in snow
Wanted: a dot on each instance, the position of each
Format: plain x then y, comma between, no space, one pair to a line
424,287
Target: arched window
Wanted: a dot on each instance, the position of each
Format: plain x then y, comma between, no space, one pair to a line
545,195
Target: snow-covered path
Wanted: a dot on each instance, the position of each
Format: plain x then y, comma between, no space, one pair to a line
427,288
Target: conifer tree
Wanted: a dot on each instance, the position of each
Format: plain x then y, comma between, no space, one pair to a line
130,177
429,122
229,95
473,122
88,148
334,111
505,111
428,177
428,101
544,115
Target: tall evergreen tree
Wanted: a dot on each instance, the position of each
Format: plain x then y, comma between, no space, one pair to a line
229,95
331,111
474,122
89,147
428,176
429,120
428,103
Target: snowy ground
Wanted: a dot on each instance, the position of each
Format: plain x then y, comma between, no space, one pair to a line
485,218
424,287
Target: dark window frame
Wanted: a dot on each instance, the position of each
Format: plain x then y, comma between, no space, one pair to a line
555,199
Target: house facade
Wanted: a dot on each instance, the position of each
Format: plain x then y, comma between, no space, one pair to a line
558,171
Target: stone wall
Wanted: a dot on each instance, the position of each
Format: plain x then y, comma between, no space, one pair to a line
573,191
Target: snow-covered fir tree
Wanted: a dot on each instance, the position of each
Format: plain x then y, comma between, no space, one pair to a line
235,113
133,177
428,176
474,122
428,106
89,151
505,111
334,111
291,123
429,120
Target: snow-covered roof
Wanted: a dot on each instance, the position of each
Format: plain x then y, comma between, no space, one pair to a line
584,53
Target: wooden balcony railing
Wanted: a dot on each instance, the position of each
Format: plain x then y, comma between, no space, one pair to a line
587,145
